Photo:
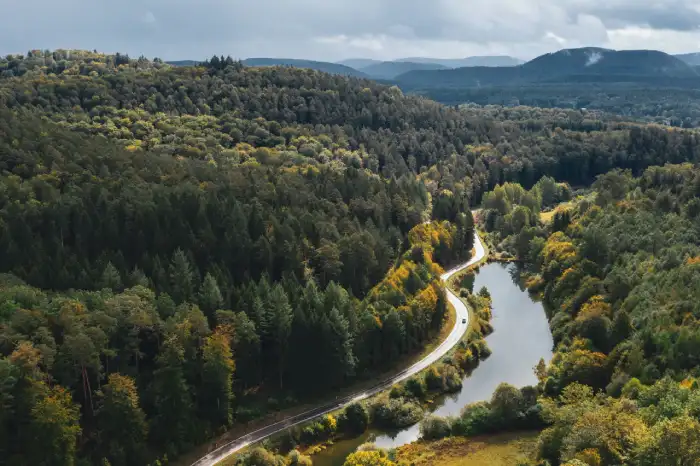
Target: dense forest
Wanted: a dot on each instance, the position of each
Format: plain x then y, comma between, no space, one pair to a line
618,271
671,106
178,243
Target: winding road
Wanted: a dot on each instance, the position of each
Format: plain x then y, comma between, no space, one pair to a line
461,324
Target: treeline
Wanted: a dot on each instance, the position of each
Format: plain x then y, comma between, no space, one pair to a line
661,103
228,113
618,273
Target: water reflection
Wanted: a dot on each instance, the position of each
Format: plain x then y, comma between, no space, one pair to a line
520,339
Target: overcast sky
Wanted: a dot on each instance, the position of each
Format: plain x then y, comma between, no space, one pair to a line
337,29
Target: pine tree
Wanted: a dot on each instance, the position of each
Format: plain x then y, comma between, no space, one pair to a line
210,298
181,277
278,326
215,396
171,396
246,344
138,278
111,278
339,348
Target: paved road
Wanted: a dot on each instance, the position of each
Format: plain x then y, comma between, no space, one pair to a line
453,338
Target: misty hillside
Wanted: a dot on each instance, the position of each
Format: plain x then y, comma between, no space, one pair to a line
359,63
570,65
693,59
326,67
392,69
487,60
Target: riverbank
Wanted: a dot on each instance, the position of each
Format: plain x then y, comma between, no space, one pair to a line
506,449
520,339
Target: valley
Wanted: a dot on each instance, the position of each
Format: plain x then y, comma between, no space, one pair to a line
192,249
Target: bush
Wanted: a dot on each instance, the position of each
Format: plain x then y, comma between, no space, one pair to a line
396,412
474,420
397,391
451,379
435,428
261,457
415,387
433,378
294,458
355,418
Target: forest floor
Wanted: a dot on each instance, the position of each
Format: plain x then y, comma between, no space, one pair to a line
495,450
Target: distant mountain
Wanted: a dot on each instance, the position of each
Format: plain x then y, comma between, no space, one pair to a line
391,69
693,59
182,62
495,60
359,63
326,67
570,65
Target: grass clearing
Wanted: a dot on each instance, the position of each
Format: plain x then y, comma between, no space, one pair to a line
494,450
546,217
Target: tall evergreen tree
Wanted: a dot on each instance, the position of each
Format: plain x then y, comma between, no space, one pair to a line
111,278
278,327
215,396
210,298
171,396
182,277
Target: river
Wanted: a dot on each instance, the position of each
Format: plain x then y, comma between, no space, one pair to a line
521,337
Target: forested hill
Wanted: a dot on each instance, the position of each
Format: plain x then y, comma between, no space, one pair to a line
165,229
326,67
574,65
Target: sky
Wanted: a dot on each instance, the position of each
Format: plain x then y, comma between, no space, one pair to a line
333,30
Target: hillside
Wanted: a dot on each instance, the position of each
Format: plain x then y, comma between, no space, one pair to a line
486,60
571,65
392,69
359,63
326,67
693,59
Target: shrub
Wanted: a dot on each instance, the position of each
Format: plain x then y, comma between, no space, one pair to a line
451,379
261,457
355,418
294,458
396,412
433,378
435,428
415,387
474,420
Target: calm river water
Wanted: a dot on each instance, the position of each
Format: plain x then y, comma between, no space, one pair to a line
521,337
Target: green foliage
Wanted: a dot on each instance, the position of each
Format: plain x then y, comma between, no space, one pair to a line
285,209
122,422
215,395
395,412
355,418
434,428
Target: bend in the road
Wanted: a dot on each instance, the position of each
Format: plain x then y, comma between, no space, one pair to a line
461,325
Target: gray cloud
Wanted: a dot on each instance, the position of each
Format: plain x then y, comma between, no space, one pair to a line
334,29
